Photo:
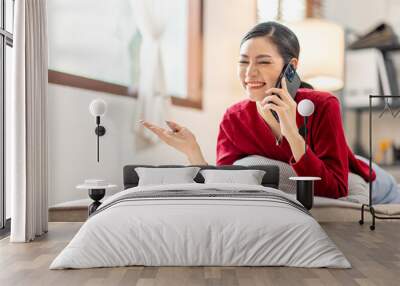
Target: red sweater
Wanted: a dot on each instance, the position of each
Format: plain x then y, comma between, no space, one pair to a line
244,132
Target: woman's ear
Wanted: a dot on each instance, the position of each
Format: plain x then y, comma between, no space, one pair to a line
294,62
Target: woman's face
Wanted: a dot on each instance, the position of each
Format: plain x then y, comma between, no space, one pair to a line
259,67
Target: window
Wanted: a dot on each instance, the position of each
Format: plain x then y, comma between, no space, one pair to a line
6,43
104,54
288,10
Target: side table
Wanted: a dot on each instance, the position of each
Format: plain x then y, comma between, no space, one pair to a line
96,191
305,190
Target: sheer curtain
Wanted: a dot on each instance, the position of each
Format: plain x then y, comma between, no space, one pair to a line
27,125
152,104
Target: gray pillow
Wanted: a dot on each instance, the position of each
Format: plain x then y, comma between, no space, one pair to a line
162,176
285,170
358,188
248,177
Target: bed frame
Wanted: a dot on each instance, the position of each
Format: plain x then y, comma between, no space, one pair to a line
270,179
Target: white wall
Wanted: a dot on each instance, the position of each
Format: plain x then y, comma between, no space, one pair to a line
72,153
72,141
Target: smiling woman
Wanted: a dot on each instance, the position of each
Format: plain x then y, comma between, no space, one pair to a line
249,127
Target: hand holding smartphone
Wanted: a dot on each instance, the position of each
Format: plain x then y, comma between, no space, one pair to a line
293,83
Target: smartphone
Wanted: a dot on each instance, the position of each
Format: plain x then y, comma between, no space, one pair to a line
293,83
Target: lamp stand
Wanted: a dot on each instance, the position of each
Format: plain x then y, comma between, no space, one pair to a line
305,135
99,131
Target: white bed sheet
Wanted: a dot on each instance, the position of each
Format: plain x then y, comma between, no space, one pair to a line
193,231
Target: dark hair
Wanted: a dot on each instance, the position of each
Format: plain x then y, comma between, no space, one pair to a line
285,40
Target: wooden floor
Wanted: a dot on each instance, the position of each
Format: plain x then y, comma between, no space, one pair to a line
375,257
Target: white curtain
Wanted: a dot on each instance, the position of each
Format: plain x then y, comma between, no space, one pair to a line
152,103
27,122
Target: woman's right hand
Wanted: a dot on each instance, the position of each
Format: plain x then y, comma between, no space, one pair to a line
180,138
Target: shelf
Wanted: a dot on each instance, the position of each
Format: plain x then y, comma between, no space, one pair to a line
395,105
396,165
392,48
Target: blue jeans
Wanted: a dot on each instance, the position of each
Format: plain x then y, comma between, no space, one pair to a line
384,187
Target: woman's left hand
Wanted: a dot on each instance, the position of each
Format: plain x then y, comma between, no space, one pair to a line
285,107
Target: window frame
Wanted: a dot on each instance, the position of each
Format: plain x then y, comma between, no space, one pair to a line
6,39
194,68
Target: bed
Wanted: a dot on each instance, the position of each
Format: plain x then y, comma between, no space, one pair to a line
346,209
200,224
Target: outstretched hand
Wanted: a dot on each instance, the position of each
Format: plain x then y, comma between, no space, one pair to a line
178,137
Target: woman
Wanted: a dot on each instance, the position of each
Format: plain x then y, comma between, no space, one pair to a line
249,127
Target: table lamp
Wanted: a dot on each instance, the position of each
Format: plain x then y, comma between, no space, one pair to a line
322,47
305,184
306,109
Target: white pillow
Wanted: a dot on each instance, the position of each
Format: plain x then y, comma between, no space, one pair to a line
162,176
249,177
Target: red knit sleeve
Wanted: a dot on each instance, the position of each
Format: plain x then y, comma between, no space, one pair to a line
227,153
329,157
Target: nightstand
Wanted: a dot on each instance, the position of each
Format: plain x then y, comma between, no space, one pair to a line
305,190
96,191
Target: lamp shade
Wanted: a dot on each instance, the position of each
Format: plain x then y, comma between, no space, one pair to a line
98,107
306,107
321,60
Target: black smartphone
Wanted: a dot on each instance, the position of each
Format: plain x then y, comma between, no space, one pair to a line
293,83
